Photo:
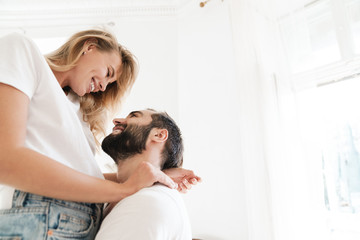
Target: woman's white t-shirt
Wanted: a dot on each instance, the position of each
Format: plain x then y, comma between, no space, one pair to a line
54,123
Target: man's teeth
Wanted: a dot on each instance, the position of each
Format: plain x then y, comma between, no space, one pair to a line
92,86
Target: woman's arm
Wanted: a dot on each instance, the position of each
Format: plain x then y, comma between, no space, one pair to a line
184,178
111,177
30,171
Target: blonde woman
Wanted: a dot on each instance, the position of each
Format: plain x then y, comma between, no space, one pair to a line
51,109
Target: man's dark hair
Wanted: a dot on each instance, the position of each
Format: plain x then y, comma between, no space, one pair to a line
172,155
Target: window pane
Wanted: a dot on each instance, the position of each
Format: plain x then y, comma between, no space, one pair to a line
330,131
309,37
353,8
332,121
341,166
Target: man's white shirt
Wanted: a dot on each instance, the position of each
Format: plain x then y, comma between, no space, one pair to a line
153,213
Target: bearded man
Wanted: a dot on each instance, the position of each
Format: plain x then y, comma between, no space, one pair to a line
153,139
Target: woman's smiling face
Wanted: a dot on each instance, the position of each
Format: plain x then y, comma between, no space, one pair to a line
94,71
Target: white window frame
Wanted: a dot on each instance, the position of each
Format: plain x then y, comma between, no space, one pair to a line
348,66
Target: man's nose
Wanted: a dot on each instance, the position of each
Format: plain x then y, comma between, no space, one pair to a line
119,121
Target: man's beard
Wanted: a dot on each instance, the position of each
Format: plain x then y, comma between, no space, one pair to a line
127,143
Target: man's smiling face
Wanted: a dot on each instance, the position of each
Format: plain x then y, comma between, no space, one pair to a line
129,135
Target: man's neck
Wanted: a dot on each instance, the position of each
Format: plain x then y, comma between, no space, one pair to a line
127,167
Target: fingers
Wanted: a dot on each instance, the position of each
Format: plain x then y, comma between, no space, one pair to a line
192,176
166,180
146,175
184,186
181,188
183,177
196,179
193,181
186,183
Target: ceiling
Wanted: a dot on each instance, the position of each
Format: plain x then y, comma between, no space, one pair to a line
29,10
18,5
37,16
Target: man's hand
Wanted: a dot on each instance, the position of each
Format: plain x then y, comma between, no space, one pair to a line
183,177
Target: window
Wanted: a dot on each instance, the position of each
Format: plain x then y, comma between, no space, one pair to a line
309,37
331,122
353,10
322,45
340,123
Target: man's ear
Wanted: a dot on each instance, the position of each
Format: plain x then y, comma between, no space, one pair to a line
159,135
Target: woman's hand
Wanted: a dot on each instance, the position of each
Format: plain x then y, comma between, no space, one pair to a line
145,175
183,178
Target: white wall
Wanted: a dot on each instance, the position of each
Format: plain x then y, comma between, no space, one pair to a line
154,42
186,68
209,121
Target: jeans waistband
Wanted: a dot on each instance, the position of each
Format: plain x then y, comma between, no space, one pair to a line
21,198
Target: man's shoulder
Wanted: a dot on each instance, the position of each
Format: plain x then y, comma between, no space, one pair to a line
157,197
158,212
158,200
159,190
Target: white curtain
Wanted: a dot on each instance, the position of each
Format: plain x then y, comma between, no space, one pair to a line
253,44
282,185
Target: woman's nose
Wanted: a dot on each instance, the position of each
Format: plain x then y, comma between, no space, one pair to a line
102,85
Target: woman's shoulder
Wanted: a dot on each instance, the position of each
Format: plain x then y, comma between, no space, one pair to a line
20,50
17,40
15,37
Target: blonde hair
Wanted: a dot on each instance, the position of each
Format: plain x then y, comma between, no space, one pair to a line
97,106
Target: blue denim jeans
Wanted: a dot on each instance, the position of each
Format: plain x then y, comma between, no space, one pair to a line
34,217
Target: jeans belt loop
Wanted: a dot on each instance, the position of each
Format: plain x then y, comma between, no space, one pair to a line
20,199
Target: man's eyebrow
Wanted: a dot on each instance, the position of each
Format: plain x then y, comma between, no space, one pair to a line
135,112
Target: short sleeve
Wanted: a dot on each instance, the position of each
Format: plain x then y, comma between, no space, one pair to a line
20,61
